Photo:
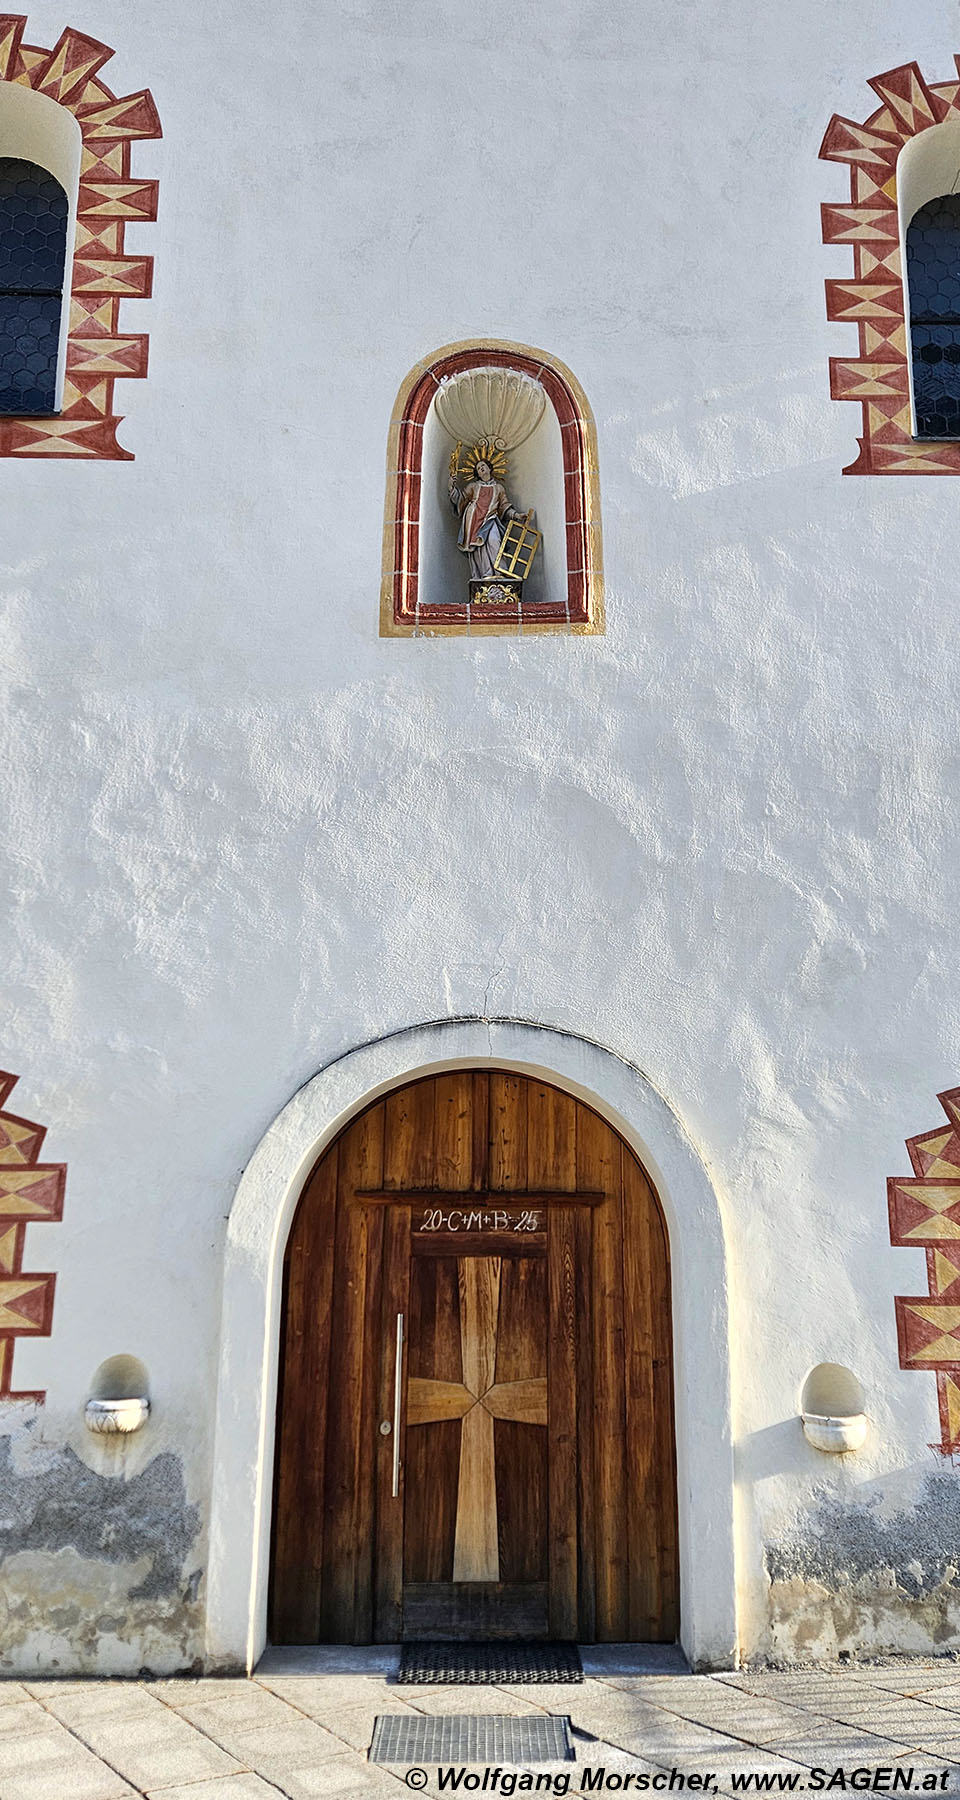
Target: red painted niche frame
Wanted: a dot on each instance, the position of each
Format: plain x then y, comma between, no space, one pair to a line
576,427
924,1211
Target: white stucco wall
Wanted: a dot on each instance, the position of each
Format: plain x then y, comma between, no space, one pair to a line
247,835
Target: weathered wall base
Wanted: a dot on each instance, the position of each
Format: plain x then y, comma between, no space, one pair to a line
98,1573
848,1581
101,1573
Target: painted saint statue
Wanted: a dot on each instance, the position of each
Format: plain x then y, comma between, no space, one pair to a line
478,495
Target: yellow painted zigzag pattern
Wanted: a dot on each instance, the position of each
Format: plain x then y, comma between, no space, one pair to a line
873,300
29,1191
97,352
925,1211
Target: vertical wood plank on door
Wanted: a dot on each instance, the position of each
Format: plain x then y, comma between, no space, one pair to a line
563,1408
522,1448
350,1427
598,1169
649,1402
301,1429
480,1104
551,1163
432,1452
479,1281
410,1136
523,1500
455,1113
475,1551
430,1477
388,1525
586,1457
507,1131
522,1334
476,1554
599,1158
424,1125
639,1278
665,1458
368,1439
435,1333
551,1137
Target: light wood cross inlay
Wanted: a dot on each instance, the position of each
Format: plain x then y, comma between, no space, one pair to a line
477,1401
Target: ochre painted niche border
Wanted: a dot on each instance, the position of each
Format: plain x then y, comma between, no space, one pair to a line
29,1190
925,1215
401,614
97,353
879,378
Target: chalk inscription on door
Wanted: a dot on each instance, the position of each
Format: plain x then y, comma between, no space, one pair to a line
442,1218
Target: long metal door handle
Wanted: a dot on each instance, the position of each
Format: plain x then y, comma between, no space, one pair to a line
397,1403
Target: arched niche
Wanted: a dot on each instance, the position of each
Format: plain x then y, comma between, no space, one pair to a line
553,471
534,480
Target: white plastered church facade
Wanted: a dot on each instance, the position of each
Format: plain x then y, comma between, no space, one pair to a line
479,758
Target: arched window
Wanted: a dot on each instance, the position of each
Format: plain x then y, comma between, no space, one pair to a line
904,293
67,194
933,286
33,247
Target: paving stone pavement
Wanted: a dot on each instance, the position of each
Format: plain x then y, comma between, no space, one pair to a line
301,1726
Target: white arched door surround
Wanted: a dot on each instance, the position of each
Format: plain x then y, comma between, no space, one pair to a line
259,1224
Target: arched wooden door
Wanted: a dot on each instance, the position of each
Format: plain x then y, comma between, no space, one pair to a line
475,1436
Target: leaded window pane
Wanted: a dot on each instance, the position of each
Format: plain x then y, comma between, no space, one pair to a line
33,240
933,281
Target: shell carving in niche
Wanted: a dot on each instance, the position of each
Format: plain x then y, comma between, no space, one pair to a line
499,405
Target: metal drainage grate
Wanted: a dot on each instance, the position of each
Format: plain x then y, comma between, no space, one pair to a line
429,1665
471,1738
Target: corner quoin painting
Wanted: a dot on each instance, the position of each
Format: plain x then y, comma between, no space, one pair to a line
30,1192
925,1215
98,352
878,379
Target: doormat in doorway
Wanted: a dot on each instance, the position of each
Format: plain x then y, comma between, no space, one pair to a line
471,1738
488,1665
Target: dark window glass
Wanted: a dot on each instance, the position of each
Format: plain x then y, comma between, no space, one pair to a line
933,283
33,243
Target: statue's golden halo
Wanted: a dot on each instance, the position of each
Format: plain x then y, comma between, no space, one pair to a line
488,450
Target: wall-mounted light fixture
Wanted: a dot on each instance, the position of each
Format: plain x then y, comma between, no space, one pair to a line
832,1409
119,1397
